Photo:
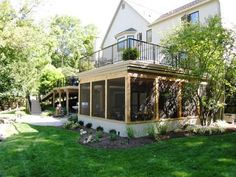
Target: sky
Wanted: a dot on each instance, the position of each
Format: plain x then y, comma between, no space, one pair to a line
100,12
97,12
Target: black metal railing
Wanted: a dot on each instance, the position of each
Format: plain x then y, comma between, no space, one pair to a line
67,81
148,52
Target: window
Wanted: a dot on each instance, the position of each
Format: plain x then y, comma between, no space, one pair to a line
149,35
142,99
98,99
130,41
85,99
193,17
121,44
116,99
168,99
139,36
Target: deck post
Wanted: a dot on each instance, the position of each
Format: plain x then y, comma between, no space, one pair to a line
106,99
78,104
53,99
127,99
91,99
67,102
59,96
156,99
180,100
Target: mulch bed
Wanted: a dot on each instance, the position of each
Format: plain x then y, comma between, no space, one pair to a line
124,142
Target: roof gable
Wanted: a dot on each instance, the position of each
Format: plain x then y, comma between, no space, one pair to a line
143,15
180,9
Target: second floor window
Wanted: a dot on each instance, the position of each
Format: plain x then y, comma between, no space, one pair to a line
149,36
139,36
121,44
193,17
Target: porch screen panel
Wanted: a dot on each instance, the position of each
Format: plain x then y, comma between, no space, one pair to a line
189,102
98,99
116,99
168,99
85,99
142,99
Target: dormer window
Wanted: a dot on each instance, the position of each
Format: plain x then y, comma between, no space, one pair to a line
139,36
191,18
121,43
149,35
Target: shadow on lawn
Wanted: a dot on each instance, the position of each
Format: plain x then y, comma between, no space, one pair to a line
50,151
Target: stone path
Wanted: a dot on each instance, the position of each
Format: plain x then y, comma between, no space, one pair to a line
6,129
42,121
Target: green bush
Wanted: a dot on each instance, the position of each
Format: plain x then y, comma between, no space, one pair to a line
161,128
130,132
81,123
88,125
151,131
73,118
205,130
99,128
71,125
130,54
113,134
98,135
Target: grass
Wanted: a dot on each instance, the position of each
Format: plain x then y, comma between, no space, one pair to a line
53,152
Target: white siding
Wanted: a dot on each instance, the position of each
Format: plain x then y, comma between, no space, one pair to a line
228,13
165,27
126,18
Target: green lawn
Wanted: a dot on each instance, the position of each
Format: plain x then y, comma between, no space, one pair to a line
53,152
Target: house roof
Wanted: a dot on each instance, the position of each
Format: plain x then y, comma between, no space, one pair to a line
147,14
180,9
130,30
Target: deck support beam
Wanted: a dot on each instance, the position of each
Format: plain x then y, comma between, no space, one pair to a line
127,99
53,99
67,102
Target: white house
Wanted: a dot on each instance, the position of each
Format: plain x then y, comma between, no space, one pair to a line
134,94
196,11
129,21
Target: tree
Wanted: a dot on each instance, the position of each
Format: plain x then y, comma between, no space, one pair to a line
72,41
207,57
24,52
48,78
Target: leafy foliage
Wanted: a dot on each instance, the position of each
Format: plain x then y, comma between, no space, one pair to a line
49,77
27,49
130,54
72,41
208,60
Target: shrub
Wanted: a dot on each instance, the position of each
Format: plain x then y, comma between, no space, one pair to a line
75,126
151,131
161,128
81,123
70,125
130,54
130,132
88,125
204,130
113,135
99,128
73,118
98,135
